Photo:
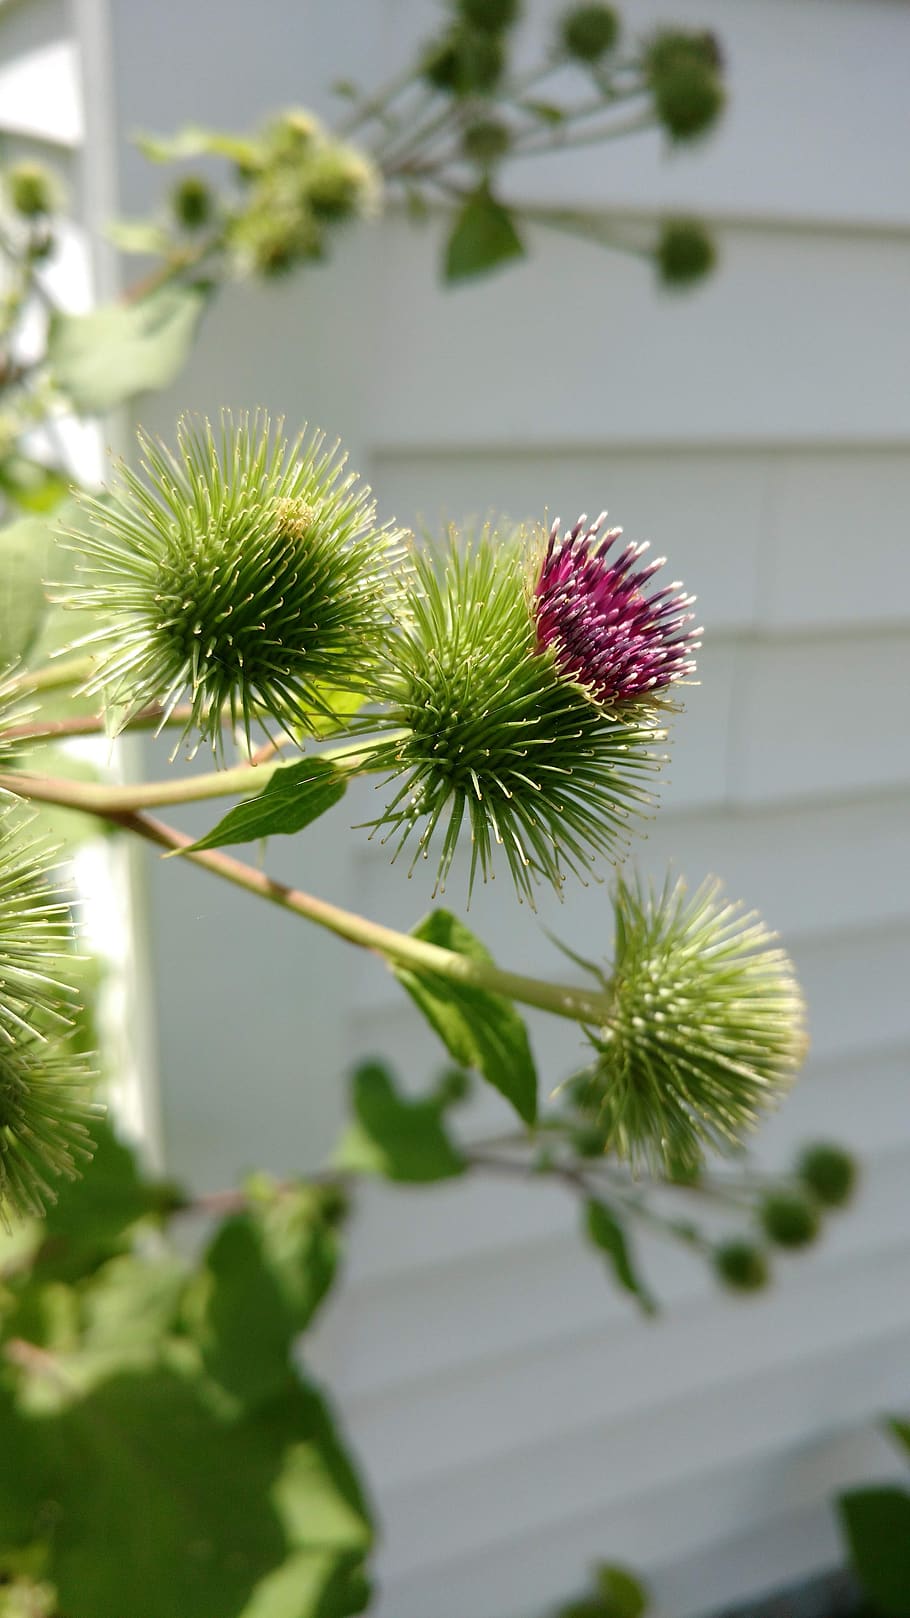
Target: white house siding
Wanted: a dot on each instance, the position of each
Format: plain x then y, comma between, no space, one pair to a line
516,1418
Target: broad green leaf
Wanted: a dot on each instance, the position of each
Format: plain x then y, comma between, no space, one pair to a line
483,236
164,1505
264,1275
480,1030
101,359
295,795
877,1525
622,1594
395,1136
604,1230
25,550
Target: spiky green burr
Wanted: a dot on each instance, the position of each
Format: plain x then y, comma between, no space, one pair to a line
238,573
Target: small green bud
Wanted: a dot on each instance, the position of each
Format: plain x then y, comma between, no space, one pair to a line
269,239
741,1266
789,1219
685,252
339,182
32,190
486,141
589,32
467,62
682,72
191,202
41,244
829,1172
490,16
293,133
334,1203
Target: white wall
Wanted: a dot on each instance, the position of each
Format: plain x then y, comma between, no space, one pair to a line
516,1419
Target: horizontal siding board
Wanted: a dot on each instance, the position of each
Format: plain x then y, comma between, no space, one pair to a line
662,1536
748,357
541,1487
807,869
779,537
822,716
542,1300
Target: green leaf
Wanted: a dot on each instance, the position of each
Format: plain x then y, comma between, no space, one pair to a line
546,111
395,1136
24,551
264,1276
296,795
622,1594
480,1030
877,1525
604,1230
123,349
483,236
156,1490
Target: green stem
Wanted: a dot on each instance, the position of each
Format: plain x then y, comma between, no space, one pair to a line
55,675
401,949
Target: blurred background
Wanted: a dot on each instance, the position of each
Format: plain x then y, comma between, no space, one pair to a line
514,1415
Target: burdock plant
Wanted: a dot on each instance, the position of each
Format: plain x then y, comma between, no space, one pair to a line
511,690
238,572
521,680
43,1108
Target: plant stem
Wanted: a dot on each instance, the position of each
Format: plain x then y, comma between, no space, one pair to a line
55,675
400,949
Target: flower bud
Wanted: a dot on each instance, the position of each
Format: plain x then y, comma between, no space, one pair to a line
486,140
240,574
588,32
829,1172
682,71
789,1219
32,190
468,61
339,182
705,1032
685,252
494,736
741,1266
191,202
490,16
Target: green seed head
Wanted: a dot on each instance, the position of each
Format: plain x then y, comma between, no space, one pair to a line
683,72
706,1029
486,141
685,252
789,1219
339,183
589,32
741,1266
468,61
490,16
192,202
239,574
495,740
32,190
829,1172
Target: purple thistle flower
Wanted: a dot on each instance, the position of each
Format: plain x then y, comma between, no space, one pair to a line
606,632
